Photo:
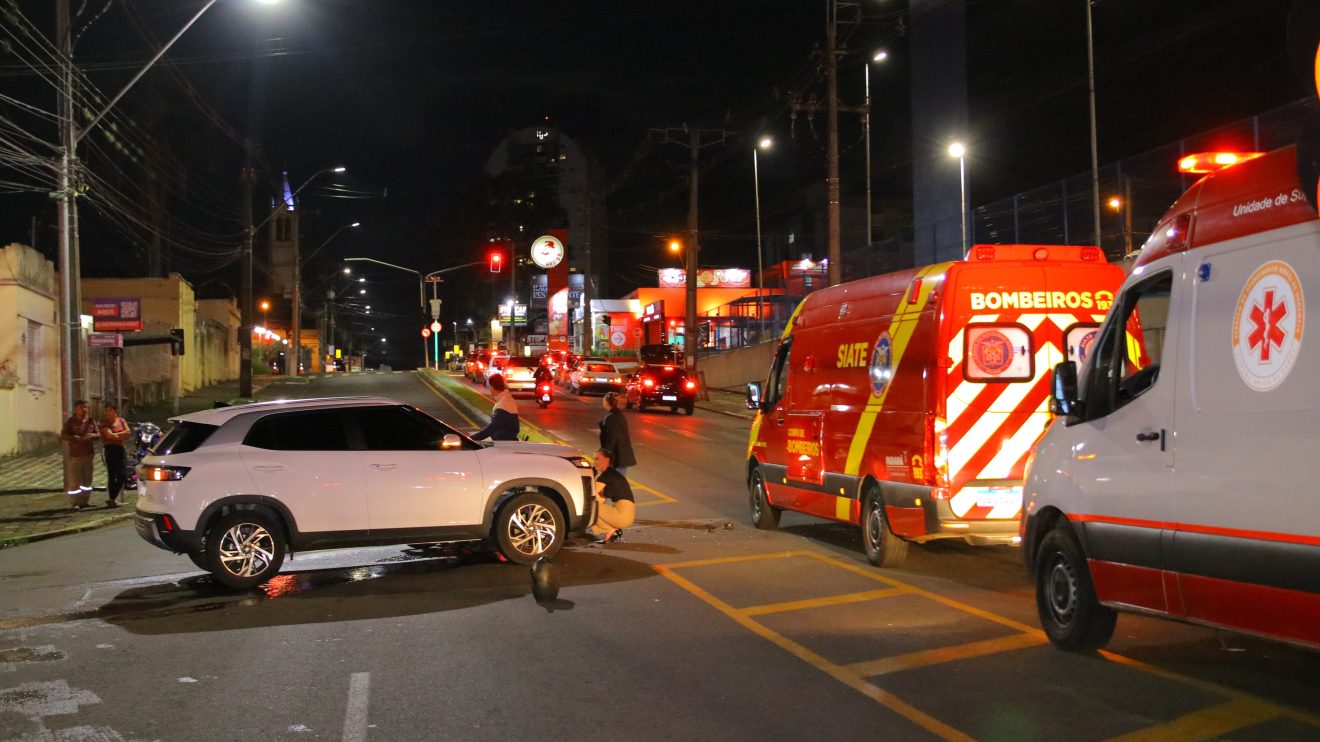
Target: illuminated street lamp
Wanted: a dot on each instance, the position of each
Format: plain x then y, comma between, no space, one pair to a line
959,151
765,143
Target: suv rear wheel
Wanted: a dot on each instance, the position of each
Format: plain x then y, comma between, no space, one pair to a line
245,548
529,526
1070,613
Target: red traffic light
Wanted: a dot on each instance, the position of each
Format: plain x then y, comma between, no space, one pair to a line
496,260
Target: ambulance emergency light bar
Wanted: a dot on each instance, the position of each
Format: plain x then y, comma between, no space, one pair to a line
1209,162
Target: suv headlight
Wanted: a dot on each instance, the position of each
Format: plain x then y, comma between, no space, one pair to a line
580,462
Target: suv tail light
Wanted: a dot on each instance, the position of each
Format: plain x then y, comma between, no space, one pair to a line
648,382
162,473
690,385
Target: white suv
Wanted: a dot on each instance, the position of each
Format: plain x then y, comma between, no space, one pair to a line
236,488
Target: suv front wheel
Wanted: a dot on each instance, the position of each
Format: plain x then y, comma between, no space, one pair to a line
529,526
245,548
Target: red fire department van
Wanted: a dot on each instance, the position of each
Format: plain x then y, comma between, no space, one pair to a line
1180,479
906,403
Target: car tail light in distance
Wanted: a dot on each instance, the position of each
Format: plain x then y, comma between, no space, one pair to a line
163,473
689,385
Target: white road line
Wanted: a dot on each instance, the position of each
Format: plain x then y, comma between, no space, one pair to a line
83,600
355,717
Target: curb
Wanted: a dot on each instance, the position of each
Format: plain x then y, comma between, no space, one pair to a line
737,415
8,543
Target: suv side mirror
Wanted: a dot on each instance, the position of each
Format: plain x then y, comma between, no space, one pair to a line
450,442
1064,400
754,395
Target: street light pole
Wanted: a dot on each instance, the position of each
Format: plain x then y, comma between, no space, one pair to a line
958,150
764,143
421,287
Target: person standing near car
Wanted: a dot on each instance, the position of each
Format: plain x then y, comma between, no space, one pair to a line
615,506
504,423
614,436
114,430
78,433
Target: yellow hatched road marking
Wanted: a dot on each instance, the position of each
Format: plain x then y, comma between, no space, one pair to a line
925,658
1241,711
800,605
842,674
1215,721
664,499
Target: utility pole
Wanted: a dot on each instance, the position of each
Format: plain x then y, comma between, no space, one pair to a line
694,144
835,275
1095,153
70,270
246,310
295,320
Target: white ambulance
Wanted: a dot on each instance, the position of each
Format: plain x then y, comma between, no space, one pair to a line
1182,478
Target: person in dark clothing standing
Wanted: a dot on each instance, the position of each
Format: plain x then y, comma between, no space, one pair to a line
615,507
114,430
614,434
504,423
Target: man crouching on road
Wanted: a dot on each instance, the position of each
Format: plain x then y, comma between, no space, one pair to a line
615,508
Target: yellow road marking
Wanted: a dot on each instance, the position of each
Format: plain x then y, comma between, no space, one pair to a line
799,605
843,675
925,658
1215,721
452,406
1243,709
664,499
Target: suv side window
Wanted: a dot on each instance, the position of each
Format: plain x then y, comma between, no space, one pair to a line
399,429
310,430
1127,361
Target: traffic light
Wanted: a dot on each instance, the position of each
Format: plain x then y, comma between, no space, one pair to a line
176,341
496,260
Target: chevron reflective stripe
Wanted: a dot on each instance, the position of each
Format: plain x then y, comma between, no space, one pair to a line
991,427
900,331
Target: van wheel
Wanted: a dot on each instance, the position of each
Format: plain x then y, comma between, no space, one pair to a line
882,547
1070,613
764,515
245,548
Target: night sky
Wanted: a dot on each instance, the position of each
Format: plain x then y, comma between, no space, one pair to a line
413,95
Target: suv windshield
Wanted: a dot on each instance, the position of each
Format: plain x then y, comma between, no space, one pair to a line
183,438
523,362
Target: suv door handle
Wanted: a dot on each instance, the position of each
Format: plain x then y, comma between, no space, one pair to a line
1147,437
268,467
385,467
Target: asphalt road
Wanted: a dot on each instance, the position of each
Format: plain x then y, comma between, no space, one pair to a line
695,626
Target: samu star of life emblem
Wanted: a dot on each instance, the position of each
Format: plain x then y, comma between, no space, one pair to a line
1268,326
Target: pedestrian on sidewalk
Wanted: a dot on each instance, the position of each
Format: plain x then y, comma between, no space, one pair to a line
78,434
614,436
114,430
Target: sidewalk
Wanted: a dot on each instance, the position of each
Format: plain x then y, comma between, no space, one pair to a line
33,505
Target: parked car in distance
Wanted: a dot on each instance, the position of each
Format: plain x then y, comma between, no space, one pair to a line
662,386
237,488
595,376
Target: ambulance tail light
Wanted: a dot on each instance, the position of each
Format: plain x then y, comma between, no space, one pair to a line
937,452
1209,162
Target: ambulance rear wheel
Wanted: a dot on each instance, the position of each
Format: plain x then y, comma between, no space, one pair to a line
764,515
1070,613
882,547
